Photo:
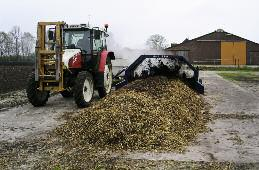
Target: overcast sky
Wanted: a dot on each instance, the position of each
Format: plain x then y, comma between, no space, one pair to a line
133,21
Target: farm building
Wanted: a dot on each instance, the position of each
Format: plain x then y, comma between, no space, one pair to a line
218,47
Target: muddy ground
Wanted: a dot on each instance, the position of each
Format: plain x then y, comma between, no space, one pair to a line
14,77
231,143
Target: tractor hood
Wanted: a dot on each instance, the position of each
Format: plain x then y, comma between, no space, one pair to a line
69,53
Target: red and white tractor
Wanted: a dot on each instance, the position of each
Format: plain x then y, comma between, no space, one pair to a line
72,60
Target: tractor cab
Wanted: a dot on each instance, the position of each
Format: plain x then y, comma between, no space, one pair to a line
83,46
88,40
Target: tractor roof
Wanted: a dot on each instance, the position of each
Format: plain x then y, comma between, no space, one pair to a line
81,26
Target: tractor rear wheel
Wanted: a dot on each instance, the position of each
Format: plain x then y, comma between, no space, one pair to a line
67,93
83,89
107,80
36,97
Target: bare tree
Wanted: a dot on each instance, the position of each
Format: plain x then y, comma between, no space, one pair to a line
16,45
16,37
156,42
27,43
3,40
6,44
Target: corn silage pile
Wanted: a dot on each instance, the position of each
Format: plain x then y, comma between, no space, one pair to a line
149,114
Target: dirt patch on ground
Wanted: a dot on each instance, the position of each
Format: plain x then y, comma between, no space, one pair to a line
12,99
26,120
246,80
48,154
14,77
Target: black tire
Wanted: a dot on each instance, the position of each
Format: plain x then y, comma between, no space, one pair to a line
83,94
36,98
104,91
67,93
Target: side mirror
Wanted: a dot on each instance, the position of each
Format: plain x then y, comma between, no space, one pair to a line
106,27
111,55
51,35
97,35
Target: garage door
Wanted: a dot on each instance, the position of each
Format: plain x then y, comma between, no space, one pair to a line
233,53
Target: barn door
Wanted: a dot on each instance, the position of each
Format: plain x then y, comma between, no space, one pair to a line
233,53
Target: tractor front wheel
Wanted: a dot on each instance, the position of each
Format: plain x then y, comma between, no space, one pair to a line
83,89
35,96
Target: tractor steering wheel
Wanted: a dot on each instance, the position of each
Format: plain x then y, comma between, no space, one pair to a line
83,51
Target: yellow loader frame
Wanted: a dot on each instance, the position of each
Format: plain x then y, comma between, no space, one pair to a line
49,52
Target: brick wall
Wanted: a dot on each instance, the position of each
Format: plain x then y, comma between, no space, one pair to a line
201,52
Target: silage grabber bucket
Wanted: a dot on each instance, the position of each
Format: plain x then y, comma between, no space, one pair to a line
161,65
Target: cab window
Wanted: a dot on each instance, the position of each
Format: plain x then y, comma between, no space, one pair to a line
97,42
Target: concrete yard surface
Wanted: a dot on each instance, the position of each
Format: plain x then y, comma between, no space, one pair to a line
23,121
